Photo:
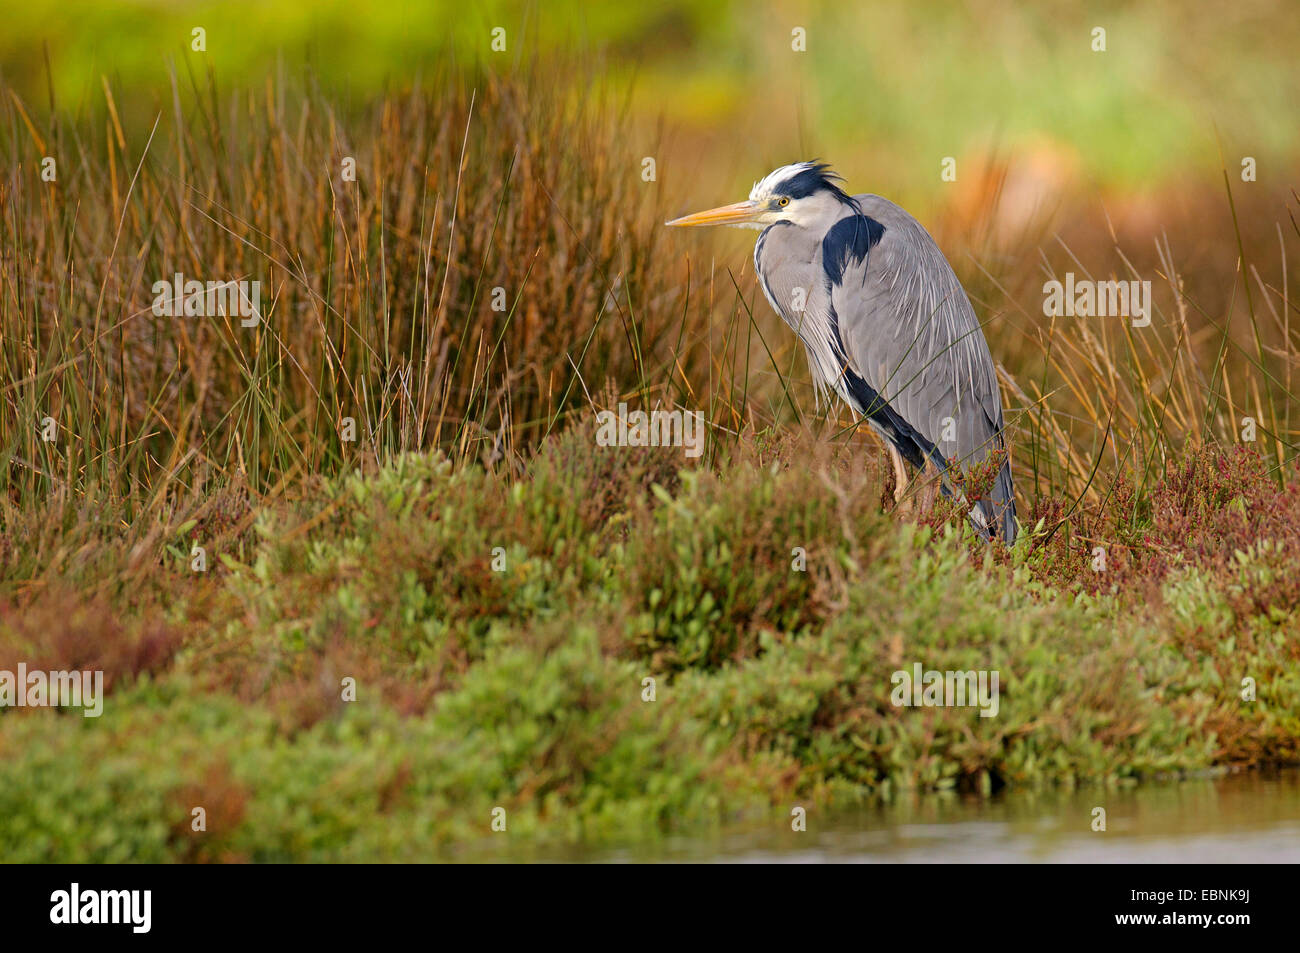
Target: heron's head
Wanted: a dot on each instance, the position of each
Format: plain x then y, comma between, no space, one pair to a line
806,194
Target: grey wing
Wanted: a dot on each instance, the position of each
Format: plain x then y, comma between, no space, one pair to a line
908,329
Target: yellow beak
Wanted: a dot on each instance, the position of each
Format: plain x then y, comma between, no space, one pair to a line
740,213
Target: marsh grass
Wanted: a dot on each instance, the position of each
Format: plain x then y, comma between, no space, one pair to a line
378,294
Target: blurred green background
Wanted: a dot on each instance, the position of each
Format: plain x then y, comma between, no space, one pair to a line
886,90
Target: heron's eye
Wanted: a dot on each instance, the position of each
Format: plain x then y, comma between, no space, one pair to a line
783,201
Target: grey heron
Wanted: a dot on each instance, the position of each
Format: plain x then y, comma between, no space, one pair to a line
885,323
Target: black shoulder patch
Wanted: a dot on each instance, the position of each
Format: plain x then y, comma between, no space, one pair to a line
851,238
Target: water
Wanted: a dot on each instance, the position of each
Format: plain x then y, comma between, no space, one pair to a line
1243,818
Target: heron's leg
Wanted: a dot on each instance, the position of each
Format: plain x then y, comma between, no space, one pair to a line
900,474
